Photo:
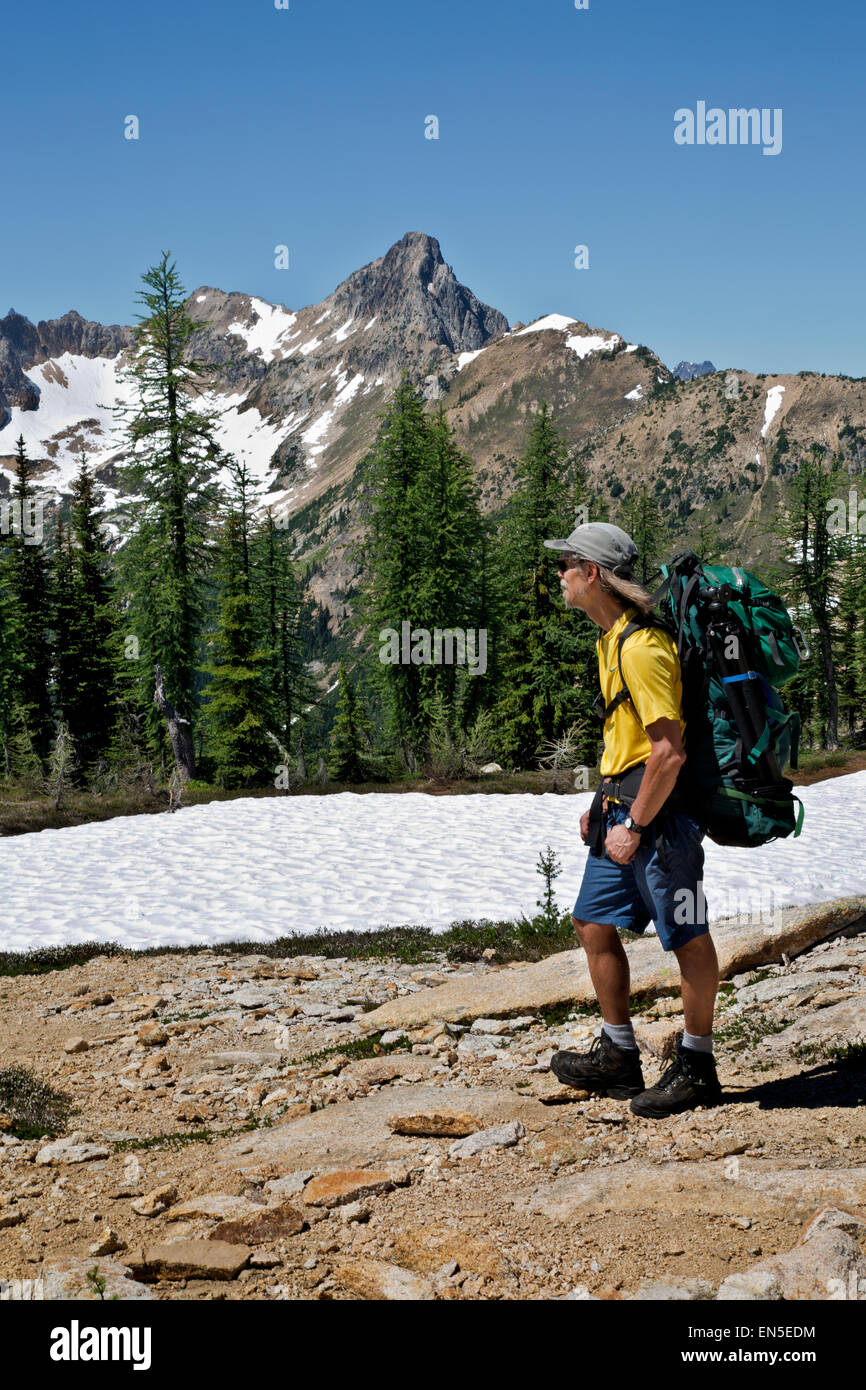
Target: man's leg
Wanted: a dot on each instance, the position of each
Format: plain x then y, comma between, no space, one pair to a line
612,1064
607,900
608,968
691,1079
699,969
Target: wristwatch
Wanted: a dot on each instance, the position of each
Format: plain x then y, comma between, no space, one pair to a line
631,824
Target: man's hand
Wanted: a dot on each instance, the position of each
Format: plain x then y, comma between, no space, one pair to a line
622,845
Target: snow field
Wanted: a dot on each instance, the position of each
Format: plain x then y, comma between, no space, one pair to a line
258,869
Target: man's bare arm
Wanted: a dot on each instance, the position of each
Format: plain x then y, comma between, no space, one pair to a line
665,760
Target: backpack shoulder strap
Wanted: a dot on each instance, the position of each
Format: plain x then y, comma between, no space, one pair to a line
624,694
635,625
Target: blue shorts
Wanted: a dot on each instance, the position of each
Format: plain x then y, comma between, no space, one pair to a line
631,895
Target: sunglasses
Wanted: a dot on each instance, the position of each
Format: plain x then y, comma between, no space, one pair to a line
568,562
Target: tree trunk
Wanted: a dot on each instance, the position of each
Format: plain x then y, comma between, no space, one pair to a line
831,740
179,731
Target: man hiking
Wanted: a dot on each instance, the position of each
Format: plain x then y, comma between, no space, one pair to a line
646,858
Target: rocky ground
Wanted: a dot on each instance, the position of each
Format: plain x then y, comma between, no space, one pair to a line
257,1128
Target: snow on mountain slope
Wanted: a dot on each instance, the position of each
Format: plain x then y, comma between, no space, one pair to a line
268,333
76,400
77,397
273,369
580,343
257,869
555,322
772,407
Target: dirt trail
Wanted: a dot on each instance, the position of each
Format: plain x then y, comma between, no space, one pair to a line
203,1111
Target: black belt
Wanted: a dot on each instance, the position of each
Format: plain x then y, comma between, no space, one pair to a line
624,788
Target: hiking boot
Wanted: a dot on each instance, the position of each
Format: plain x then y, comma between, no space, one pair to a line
690,1080
606,1067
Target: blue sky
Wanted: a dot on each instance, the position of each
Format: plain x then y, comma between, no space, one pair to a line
305,127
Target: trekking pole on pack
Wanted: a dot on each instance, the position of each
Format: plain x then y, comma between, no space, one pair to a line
744,687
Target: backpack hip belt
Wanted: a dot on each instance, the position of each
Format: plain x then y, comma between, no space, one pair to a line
624,788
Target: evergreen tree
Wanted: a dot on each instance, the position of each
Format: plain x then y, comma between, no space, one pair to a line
236,700
28,585
814,552
25,765
61,765
642,520
171,434
390,554
849,629
280,605
64,632
9,661
546,646
489,603
85,639
450,582
346,759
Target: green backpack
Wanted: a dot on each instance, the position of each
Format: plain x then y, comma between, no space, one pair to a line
737,646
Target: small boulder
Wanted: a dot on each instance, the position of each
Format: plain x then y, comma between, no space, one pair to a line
290,1184
156,1202
435,1124
70,1151
108,1243
262,1227
189,1259
498,1136
346,1185
823,1267
376,1279
152,1034
658,1038
68,1277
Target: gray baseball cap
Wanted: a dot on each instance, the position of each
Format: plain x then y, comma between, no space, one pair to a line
602,542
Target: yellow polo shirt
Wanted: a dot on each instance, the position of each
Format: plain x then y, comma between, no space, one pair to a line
651,668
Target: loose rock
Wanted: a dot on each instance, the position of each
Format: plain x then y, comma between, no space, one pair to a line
441,1124
152,1035
156,1202
346,1185
499,1136
189,1259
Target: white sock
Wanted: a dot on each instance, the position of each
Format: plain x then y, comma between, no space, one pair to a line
697,1042
620,1033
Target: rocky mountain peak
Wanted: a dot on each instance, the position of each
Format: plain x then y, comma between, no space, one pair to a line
23,345
690,371
411,291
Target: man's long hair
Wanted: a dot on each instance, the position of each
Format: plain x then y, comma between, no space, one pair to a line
628,591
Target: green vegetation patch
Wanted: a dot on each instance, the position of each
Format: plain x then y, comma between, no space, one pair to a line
411,945
848,1053
37,1110
356,1050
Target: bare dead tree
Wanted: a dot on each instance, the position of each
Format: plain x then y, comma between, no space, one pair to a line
301,760
175,792
284,767
61,766
562,752
179,731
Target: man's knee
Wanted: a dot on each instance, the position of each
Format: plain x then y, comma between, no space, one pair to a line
595,934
